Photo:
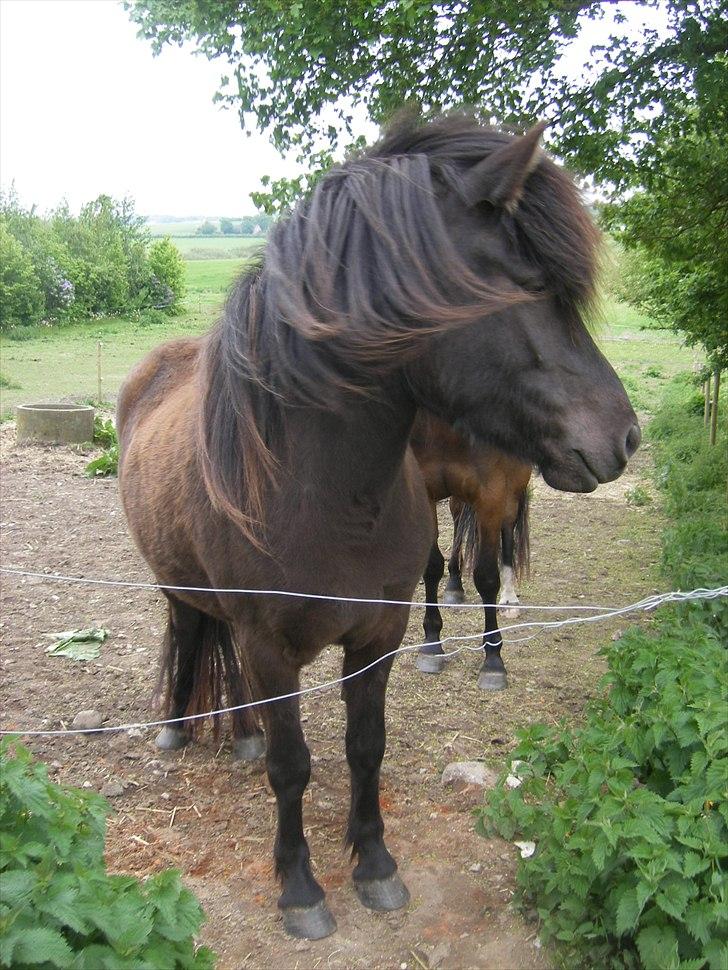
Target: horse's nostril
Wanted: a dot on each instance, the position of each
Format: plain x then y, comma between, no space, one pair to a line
634,436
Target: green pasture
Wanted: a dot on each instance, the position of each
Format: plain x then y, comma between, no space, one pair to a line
217,247
60,363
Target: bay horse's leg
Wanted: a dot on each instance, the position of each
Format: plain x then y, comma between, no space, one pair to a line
487,581
181,642
509,595
375,876
288,761
430,658
454,592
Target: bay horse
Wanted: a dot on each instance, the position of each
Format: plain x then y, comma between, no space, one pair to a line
445,268
488,492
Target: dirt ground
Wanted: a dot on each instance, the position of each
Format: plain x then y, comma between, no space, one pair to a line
213,819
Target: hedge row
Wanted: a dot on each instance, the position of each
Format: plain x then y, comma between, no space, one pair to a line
64,266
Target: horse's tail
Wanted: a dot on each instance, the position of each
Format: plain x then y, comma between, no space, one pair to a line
467,537
522,536
218,677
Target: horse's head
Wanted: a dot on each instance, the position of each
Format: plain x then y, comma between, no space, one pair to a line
528,378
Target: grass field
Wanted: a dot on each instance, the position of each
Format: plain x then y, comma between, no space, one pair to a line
217,247
60,364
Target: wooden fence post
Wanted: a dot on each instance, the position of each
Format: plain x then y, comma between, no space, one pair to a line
706,408
714,409
98,373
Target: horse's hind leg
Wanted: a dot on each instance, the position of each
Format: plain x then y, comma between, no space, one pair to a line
454,592
508,601
375,876
248,739
181,643
487,581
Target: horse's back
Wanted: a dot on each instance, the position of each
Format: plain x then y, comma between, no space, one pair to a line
165,370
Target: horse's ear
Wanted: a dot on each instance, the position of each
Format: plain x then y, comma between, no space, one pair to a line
499,178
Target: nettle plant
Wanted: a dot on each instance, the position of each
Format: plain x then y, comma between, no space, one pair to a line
629,813
58,905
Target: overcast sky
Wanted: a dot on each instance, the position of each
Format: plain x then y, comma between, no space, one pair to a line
86,109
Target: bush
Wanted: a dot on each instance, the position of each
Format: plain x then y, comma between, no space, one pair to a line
21,293
630,812
59,907
168,269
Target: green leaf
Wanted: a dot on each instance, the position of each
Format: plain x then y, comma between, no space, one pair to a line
41,945
657,947
674,896
628,911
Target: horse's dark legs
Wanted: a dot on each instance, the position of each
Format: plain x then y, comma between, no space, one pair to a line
430,659
454,592
487,581
375,877
509,595
248,739
182,640
305,913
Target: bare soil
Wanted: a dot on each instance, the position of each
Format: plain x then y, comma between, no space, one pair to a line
213,819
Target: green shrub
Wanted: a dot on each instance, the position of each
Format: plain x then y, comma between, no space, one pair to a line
629,813
21,293
58,905
168,269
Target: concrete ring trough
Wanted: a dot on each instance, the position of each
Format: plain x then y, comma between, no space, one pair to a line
55,423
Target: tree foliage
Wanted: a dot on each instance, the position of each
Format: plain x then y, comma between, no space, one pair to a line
646,109
297,69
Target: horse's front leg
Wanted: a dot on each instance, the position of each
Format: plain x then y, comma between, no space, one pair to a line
305,913
430,659
375,876
487,581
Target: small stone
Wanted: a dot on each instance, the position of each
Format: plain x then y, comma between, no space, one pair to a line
135,733
112,789
87,784
537,943
165,796
87,720
476,867
460,774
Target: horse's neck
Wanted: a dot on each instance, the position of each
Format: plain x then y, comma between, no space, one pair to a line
354,456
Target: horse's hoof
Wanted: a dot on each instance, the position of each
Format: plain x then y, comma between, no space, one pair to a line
493,680
172,738
509,610
383,895
430,663
249,748
309,922
452,597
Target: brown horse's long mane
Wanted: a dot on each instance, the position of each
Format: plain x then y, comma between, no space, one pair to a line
352,281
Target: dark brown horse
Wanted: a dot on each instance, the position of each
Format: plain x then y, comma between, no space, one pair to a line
444,269
488,492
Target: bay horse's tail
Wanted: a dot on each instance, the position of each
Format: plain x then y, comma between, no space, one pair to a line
201,671
467,537
522,536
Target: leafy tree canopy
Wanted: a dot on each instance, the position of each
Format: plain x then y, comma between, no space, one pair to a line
299,68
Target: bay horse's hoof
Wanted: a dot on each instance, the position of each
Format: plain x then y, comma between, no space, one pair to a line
430,663
509,609
383,895
309,922
493,680
249,748
172,738
453,596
